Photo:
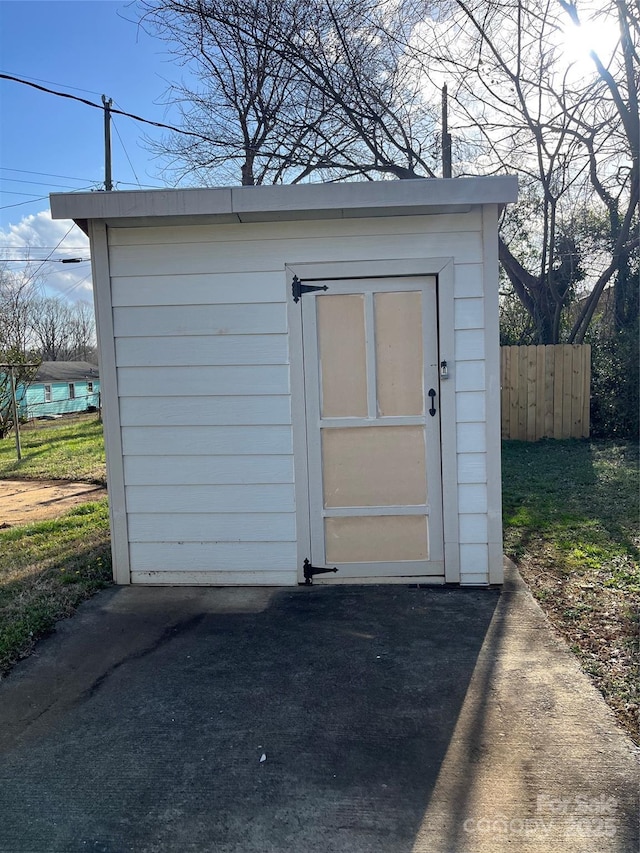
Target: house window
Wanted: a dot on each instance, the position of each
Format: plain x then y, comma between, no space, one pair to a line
72,391
89,387
47,393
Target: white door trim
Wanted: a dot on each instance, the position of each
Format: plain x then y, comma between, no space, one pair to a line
443,269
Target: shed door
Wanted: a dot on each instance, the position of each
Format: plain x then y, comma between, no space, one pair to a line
373,428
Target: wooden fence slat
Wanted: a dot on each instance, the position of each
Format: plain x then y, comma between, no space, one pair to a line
513,413
522,393
505,389
545,391
586,390
567,373
531,392
576,392
549,376
539,391
558,392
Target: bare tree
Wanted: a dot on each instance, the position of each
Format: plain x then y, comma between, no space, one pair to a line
82,333
62,331
571,137
342,89
289,89
17,291
16,299
51,322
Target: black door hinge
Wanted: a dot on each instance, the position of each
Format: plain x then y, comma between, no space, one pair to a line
310,571
298,288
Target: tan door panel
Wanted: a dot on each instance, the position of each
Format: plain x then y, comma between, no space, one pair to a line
400,383
368,539
374,466
341,343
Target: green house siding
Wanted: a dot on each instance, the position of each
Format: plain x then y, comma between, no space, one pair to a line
34,405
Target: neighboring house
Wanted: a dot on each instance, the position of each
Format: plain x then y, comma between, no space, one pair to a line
60,387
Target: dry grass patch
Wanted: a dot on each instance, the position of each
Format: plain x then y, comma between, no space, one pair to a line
571,512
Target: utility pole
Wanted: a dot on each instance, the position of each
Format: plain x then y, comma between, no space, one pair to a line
108,185
446,136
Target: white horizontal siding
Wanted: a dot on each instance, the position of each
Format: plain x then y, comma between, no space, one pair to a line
200,440
173,320
473,528
470,406
207,556
474,563
207,470
475,579
470,376
210,577
471,438
472,468
203,289
272,497
468,280
207,411
472,498
270,255
469,313
236,380
383,226
469,344
208,527
205,350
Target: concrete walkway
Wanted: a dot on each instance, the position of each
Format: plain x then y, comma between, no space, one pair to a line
352,719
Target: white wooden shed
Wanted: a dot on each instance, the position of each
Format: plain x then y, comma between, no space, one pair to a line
300,377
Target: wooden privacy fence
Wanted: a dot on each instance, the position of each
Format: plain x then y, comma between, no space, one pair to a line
545,391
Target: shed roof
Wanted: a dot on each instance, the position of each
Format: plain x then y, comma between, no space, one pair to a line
66,371
281,203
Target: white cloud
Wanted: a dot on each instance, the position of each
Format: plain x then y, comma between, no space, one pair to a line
37,236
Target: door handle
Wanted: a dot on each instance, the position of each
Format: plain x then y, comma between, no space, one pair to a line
432,394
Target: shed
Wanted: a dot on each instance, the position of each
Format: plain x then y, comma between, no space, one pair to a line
300,383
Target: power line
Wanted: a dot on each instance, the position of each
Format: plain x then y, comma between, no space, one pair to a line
44,174
18,203
64,85
71,178
126,154
31,277
101,107
75,285
39,198
37,183
10,192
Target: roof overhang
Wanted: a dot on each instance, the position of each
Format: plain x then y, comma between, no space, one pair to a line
284,203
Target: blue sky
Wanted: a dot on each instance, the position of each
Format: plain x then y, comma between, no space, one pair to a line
85,48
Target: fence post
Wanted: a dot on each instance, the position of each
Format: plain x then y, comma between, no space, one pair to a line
16,420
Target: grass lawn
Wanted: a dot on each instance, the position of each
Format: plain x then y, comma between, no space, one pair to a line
46,570
56,450
571,512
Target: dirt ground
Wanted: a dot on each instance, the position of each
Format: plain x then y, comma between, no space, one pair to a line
25,501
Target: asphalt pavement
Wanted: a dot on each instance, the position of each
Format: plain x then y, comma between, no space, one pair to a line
359,719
